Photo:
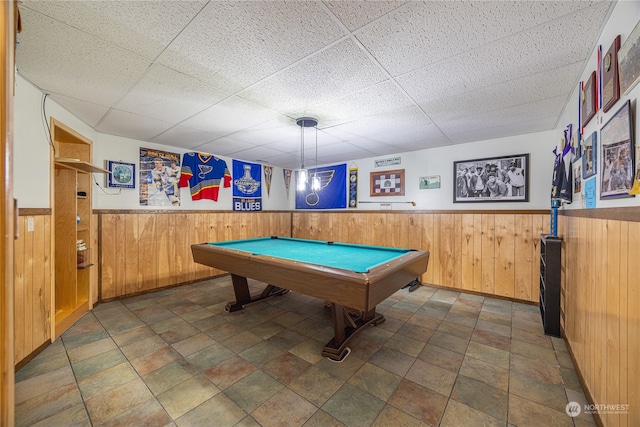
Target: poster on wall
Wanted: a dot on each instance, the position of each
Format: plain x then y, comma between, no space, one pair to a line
333,189
159,176
247,186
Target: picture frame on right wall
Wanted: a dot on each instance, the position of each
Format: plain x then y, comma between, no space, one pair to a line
590,156
617,169
629,61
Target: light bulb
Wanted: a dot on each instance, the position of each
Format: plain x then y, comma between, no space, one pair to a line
303,177
315,183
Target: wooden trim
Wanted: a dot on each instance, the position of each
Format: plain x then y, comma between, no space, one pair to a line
34,211
631,213
32,355
149,291
481,294
585,389
333,212
8,27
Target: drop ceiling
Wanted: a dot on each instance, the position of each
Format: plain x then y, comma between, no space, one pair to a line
381,77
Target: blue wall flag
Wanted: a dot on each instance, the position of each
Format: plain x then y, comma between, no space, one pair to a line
333,189
247,186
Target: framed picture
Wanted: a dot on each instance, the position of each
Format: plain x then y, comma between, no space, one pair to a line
576,144
629,61
492,179
429,182
577,178
616,138
588,100
387,183
590,156
123,175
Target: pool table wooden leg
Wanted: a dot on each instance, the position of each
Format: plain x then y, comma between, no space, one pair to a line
345,326
243,296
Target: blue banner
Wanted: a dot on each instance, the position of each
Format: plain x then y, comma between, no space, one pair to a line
247,186
333,189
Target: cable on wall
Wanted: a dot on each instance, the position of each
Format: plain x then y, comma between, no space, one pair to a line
45,122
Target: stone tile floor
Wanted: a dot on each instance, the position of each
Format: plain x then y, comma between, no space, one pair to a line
175,358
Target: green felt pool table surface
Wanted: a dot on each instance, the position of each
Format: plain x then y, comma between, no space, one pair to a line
357,258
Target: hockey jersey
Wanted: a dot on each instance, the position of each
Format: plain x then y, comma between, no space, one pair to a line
203,174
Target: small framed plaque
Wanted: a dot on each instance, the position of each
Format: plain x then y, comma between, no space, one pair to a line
588,100
610,80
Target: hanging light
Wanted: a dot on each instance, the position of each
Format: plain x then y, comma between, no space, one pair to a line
315,181
303,174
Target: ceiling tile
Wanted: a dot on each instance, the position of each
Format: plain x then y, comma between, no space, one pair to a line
142,27
229,116
330,74
185,137
167,95
356,14
122,123
427,32
78,65
89,113
235,44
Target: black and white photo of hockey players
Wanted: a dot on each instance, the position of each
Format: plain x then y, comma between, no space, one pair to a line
159,177
498,179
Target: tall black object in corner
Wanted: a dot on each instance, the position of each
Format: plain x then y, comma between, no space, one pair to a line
550,253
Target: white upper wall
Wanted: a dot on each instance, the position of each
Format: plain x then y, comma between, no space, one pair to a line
32,155
621,22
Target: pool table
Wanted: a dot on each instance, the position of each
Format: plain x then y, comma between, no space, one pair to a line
353,279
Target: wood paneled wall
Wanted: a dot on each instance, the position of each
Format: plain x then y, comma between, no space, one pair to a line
602,309
141,251
33,281
495,253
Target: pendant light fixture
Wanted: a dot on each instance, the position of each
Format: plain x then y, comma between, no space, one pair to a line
315,181
303,173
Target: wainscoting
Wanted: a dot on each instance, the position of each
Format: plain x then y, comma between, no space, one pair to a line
601,298
33,281
141,251
494,253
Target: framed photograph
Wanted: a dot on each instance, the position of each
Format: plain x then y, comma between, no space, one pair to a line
590,156
429,182
610,81
588,100
616,138
387,183
123,175
576,145
492,179
577,178
629,61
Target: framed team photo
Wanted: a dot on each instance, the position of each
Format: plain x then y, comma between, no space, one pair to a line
492,179
122,175
387,183
616,139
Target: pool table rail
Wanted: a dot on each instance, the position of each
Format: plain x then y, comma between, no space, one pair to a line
336,285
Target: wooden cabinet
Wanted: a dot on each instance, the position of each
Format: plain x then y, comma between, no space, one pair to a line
550,276
72,225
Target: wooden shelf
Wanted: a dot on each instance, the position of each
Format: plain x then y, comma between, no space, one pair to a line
79,165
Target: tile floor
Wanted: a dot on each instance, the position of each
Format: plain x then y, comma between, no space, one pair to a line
175,358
